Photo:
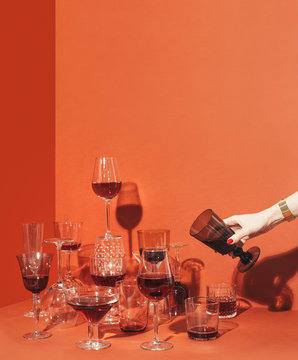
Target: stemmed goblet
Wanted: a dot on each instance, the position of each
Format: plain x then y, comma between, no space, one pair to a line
33,238
69,230
155,281
92,302
35,269
106,184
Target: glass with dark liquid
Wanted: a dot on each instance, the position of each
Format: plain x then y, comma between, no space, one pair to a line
155,281
225,294
93,303
201,318
210,229
35,269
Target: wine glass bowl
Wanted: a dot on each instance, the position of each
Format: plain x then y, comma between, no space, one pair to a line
155,281
93,303
35,268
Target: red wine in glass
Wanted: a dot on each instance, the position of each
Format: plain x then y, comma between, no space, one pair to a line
227,306
155,286
106,190
202,333
107,280
70,246
91,308
35,283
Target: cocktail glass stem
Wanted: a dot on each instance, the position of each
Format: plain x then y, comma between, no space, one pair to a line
36,311
177,266
155,322
59,245
107,206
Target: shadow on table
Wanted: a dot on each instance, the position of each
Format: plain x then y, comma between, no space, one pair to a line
267,282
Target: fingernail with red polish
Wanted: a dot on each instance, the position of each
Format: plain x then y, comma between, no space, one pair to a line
229,241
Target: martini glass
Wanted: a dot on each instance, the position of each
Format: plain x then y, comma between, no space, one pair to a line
92,302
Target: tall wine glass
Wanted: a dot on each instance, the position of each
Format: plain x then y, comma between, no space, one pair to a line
69,230
155,281
92,302
106,184
106,270
35,268
53,300
180,290
33,239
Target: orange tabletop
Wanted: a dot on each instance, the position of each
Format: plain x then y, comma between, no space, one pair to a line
255,333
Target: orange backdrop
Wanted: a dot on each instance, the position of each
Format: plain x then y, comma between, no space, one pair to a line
198,101
28,131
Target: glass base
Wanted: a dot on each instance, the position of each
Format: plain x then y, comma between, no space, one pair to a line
93,344
230,316
255,253
156,346
36,335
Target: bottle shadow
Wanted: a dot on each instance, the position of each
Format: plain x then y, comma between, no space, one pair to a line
266,282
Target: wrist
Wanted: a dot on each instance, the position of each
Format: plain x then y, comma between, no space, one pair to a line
273,216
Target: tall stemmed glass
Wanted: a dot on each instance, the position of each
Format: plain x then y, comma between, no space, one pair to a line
180,290
106,184
92,302
35,269
155,281
69,230
33,239
53,300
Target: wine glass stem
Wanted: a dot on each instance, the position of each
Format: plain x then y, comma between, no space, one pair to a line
36,310
68,271
59,262
155,322
107,205
177,266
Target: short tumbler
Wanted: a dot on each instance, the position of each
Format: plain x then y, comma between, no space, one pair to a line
225,294
201,318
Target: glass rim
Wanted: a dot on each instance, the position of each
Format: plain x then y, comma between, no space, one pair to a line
221,285
152,231
196,299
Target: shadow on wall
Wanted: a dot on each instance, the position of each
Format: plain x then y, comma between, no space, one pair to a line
129,209
266,282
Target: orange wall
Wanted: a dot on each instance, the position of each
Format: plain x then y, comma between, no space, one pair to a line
28,131
197,100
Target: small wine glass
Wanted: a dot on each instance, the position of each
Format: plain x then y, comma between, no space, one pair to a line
155,281
92,302
35,268
106,270
106,184
69,230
